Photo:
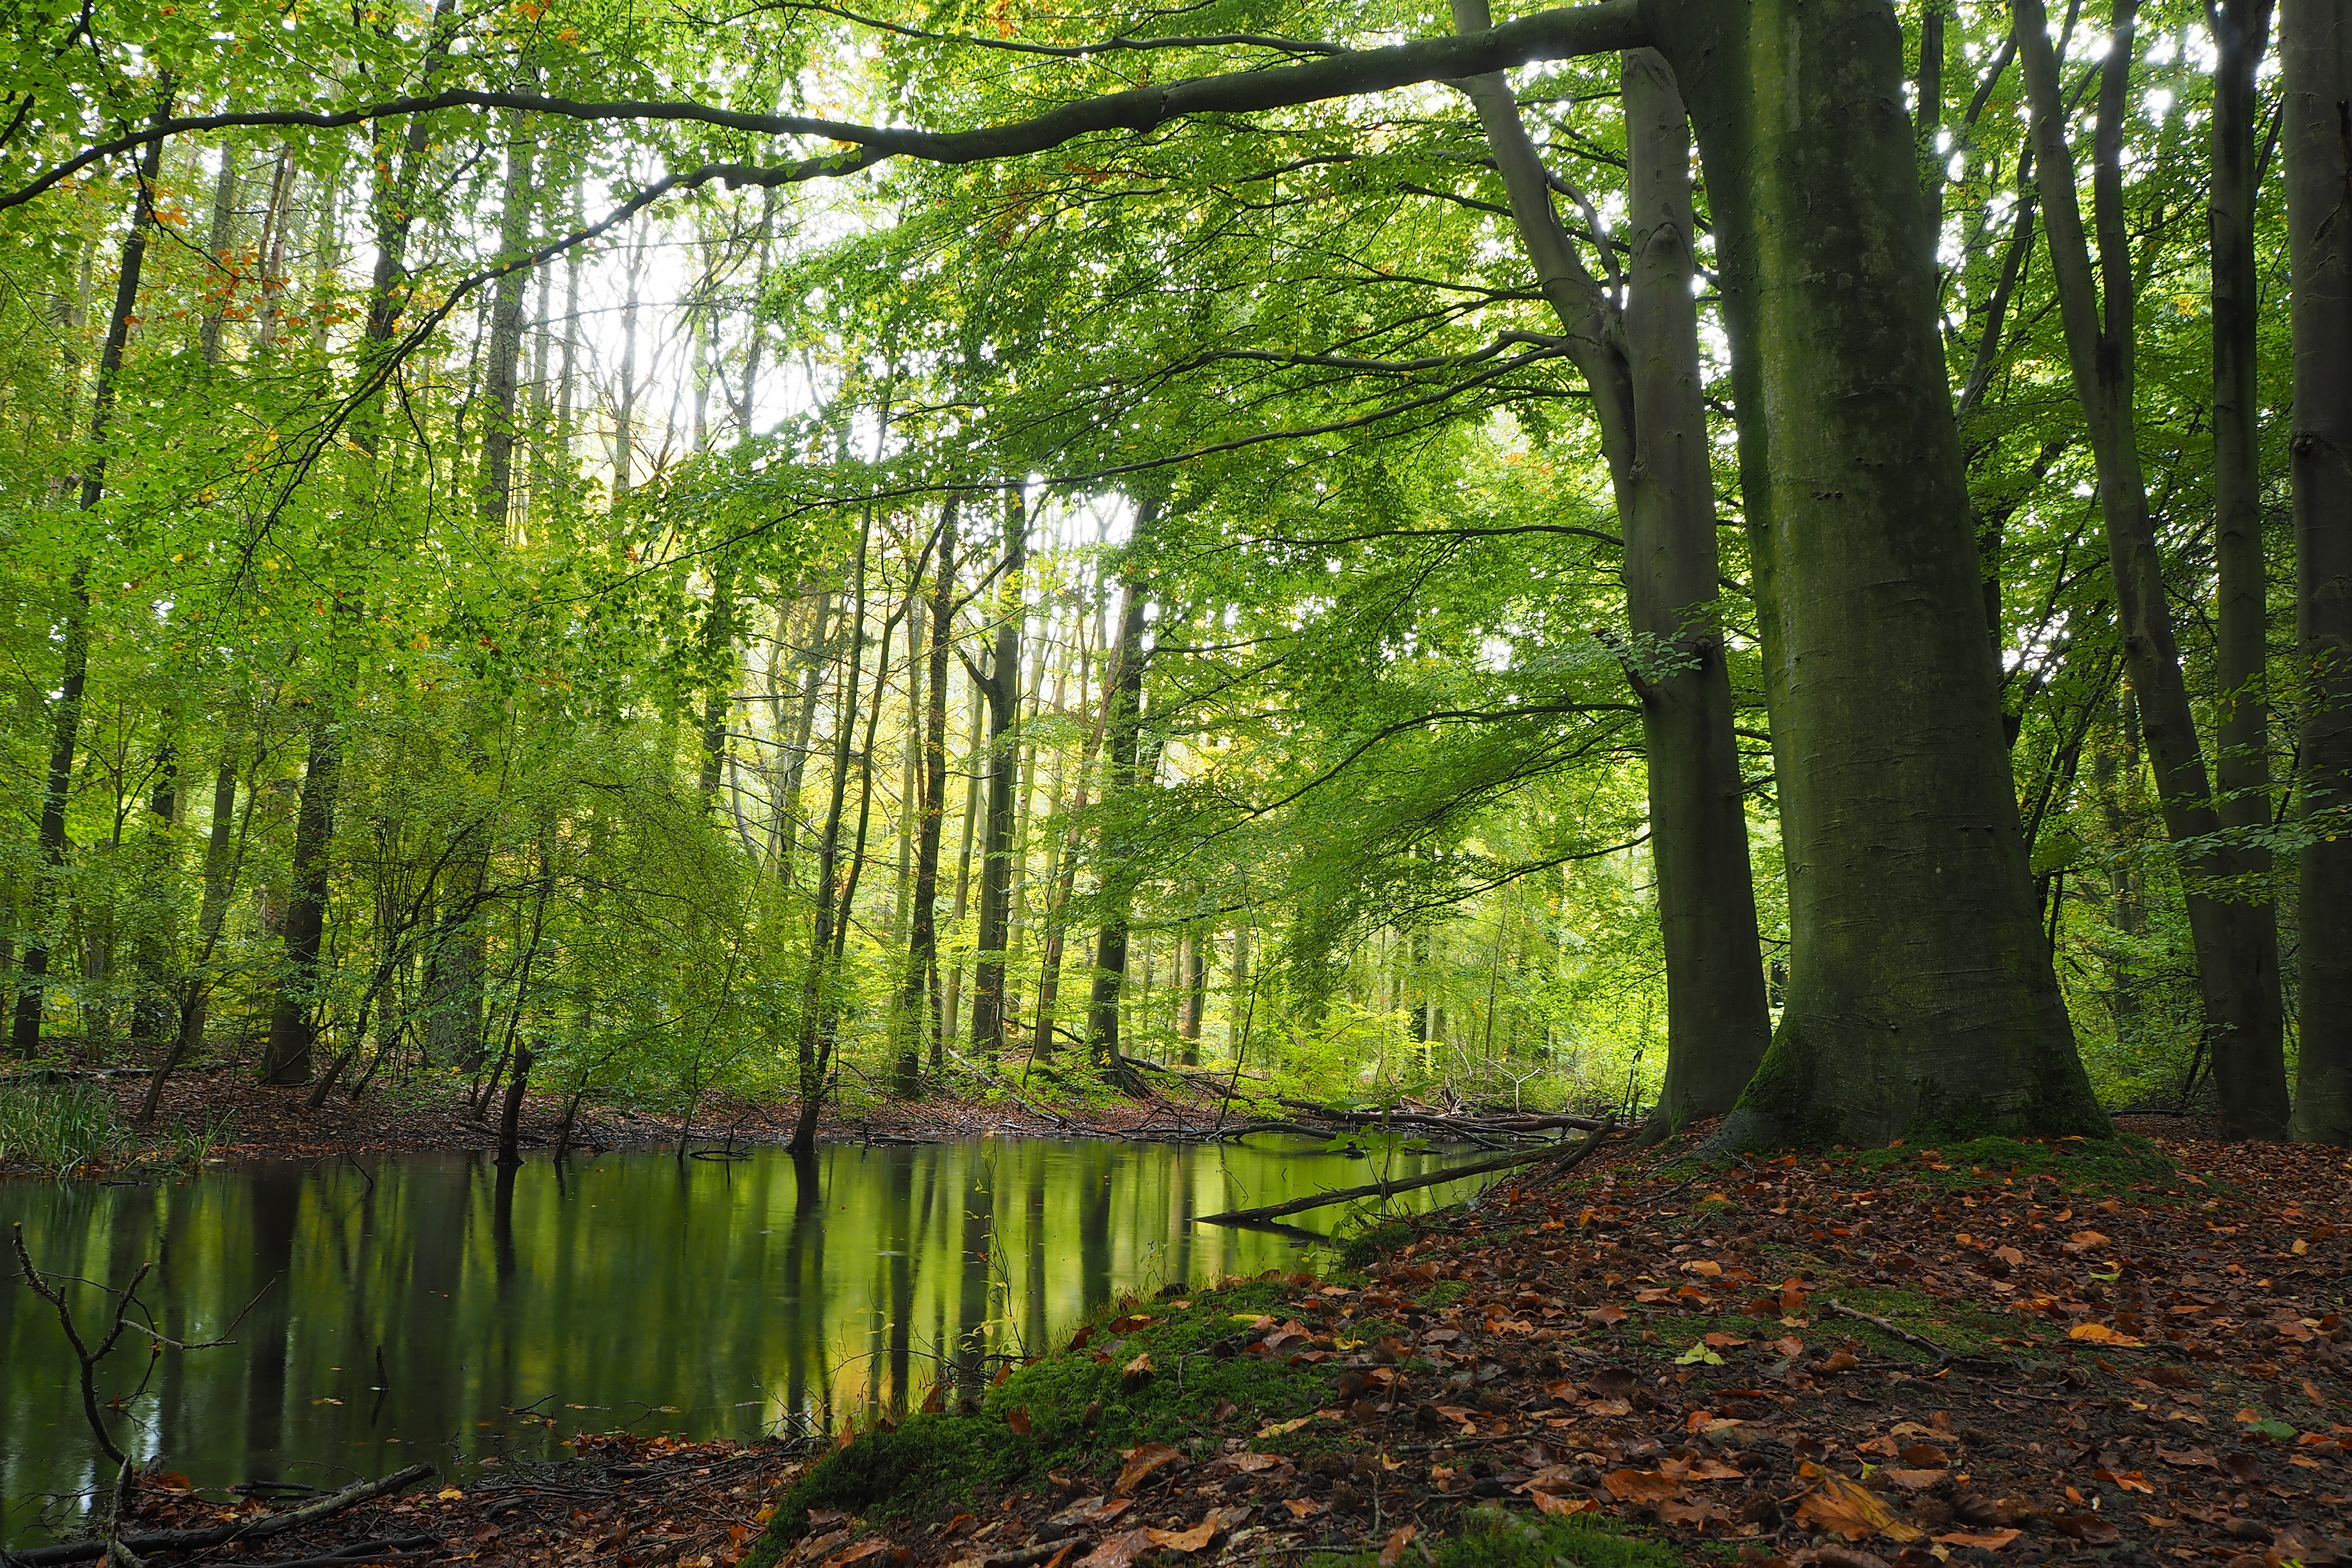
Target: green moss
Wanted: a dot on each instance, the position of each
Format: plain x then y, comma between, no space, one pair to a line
1961,1330
1493,1538
1081,1412
1376,1241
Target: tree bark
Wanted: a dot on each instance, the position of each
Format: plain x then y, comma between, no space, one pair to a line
1649,402
1122,744
65,713
2236,941
1001,684
918,989
2316,50
1920,997
286,1058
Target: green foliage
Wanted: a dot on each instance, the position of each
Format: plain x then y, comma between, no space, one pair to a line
59,1128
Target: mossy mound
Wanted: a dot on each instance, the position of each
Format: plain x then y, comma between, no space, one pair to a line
1491,1538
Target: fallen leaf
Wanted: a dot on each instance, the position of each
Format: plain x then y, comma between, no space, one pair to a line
1393,1550
1136,1372
1640,1485
1251,1462
2128,1480
2087,1528
448,1494
1698,1354
1848,1508
1282,1428
2100,1335
1142,1462
873,1546
2187,1458
1018,1419
1300,1508
1119,1550
1560,1507
1187,1540
1674,1511
1925,1457
1912,1481
1705,1267
1724,1342
1989,1540
1608,1315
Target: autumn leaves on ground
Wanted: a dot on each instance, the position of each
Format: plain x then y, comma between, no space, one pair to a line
1988,1354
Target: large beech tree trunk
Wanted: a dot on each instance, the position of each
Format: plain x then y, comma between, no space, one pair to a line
2236,939
1643,366
2316,48
1920,995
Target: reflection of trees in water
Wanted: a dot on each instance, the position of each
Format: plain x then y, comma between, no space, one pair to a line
621,1284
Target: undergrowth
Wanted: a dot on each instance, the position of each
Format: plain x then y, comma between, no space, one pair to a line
58,1129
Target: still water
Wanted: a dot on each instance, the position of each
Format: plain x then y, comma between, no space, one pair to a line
430,1307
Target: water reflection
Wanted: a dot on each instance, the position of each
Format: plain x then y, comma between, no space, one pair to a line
435,1307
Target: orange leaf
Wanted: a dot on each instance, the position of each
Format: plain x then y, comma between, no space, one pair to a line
1724,1342
2100,1334
1848,1508
1300,1508
1554,1504
1187,1540
1399,1539
1608,1315
1142,1462
1018,1419
1640,1485
1119,1550
1990,1541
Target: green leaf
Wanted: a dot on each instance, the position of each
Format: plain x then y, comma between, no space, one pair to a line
1698,1354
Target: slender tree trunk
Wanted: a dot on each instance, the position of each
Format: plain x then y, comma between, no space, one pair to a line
2236,941
1649,399
501,377
952,1010
788,798
718,701
286,1058
2315,49
65,712
1001,687
817,1002
1192,975
918,989
1123,737
1921,996
220,244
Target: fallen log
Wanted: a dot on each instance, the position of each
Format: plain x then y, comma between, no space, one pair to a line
257,1528
1568,1156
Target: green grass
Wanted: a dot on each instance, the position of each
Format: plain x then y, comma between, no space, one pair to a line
1492,1538
58,1128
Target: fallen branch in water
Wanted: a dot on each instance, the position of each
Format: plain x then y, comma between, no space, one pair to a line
259,1529
1568,1157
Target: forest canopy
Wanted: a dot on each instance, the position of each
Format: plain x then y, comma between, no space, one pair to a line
1707,557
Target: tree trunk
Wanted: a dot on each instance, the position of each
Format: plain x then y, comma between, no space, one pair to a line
919,990
2316,48
65,713
1001,687
816,1031
286,1057
501,376
1649,402
951,1003
1122,738
1921,996
1192,975
2236,941
1718,1022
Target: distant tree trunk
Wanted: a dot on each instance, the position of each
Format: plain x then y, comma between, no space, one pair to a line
1192,975
221,863
286,1058
952,1009
1001,684
2236,942
1063,872
502,380
718,654
2316,48
804,729
65,712
220,244
1122,739
919,990
817,1002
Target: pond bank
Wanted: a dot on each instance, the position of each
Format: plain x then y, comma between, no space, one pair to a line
224,1114
1991,1353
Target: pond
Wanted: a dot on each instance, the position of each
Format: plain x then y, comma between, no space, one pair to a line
432,1307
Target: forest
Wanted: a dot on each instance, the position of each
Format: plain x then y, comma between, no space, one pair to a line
1679,558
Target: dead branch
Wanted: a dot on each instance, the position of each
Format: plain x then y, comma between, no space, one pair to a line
1569,1157
259,1529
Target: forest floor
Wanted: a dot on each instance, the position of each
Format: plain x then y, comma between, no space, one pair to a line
224,1114
1993,1354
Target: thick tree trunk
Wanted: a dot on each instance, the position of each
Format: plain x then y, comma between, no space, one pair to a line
65,712
1001,685
1921,996
2236,939
2316,48
1649,402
